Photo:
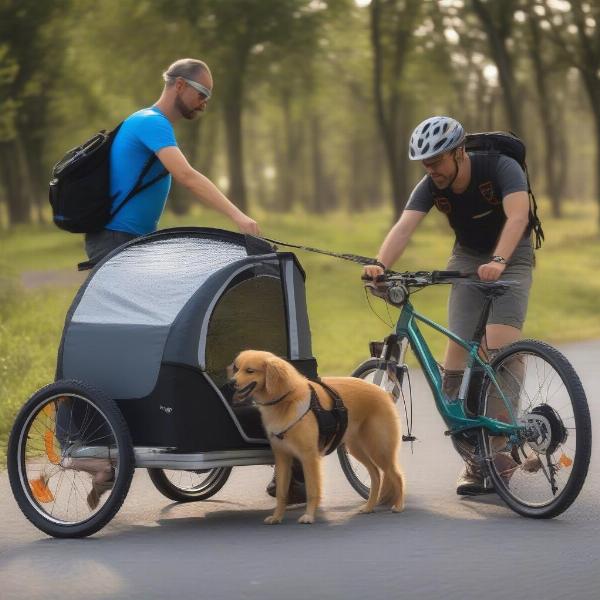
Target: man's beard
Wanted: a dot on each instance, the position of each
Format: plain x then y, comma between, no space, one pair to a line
441,183
186,113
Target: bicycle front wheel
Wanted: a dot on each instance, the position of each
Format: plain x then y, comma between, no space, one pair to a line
356,473
540,472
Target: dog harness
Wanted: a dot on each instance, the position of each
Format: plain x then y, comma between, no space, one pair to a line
332,423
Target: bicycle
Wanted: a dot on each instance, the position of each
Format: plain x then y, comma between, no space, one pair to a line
522,416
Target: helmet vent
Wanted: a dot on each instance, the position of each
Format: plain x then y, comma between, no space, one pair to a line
434,136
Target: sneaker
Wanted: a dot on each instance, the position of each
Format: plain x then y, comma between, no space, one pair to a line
297,491
101,484
471,482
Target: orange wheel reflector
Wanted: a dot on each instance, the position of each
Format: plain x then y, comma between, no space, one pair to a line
49,444
565,461
41,491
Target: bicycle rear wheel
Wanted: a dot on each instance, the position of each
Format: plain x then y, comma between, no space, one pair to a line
541,471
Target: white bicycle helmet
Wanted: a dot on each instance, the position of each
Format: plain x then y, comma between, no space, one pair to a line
434,136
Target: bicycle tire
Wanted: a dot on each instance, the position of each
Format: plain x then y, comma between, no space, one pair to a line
21,455
214,481
350,466
516,484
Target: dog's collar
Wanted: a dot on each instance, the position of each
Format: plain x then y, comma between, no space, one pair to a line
282,433
271,402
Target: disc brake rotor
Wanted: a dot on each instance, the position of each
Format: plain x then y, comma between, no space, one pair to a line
545,429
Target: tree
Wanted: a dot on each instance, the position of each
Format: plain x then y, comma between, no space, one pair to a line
27,58
555,156
392,24
574,29
497,20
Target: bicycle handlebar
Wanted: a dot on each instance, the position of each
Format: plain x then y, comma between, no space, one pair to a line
417,277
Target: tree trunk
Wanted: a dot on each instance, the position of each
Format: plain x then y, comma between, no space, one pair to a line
596,113
232,111
503,62
356,196
388,116
18,201
233,136
546,114
592,86
386,131
287,157
257,189
207,146
189,136
321,191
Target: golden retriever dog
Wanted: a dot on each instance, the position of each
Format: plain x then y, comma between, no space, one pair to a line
282,395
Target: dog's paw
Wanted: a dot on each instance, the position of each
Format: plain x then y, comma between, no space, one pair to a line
272,520
306,518
397,509
366,509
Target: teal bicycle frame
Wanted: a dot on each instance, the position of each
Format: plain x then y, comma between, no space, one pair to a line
452,410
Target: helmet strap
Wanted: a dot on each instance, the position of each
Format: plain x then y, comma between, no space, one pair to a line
456,172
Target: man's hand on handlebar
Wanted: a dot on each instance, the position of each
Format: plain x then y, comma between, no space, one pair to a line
491,271
373,272
370,275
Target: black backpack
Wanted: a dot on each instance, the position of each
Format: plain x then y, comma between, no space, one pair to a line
80,185
508,144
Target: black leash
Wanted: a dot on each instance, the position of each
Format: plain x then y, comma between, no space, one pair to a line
361,260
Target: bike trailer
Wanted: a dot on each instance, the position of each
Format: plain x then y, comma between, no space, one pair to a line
158,321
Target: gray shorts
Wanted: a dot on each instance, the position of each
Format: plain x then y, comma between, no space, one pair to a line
101,243
466,302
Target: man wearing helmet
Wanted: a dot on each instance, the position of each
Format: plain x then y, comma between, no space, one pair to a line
485,198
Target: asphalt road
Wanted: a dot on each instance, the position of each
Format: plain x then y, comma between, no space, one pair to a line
441,546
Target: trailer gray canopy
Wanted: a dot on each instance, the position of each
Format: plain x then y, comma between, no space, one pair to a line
191,297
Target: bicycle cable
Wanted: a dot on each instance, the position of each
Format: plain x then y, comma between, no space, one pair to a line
409,422
390,324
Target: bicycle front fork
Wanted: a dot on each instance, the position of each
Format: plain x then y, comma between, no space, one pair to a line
390,374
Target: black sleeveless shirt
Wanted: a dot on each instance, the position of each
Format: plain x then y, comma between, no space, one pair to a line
476,215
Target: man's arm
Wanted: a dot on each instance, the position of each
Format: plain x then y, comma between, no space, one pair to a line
516,208
175,162
396,241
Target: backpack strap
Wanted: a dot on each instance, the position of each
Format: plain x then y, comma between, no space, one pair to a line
536,224
139,187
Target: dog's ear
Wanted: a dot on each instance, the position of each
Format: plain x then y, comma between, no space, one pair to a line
275,376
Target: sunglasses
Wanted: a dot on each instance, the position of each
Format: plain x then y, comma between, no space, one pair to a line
198,87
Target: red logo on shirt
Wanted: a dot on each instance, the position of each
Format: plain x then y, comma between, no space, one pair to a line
443,204
487,191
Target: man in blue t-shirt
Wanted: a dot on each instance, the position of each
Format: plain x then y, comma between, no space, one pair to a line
148,133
